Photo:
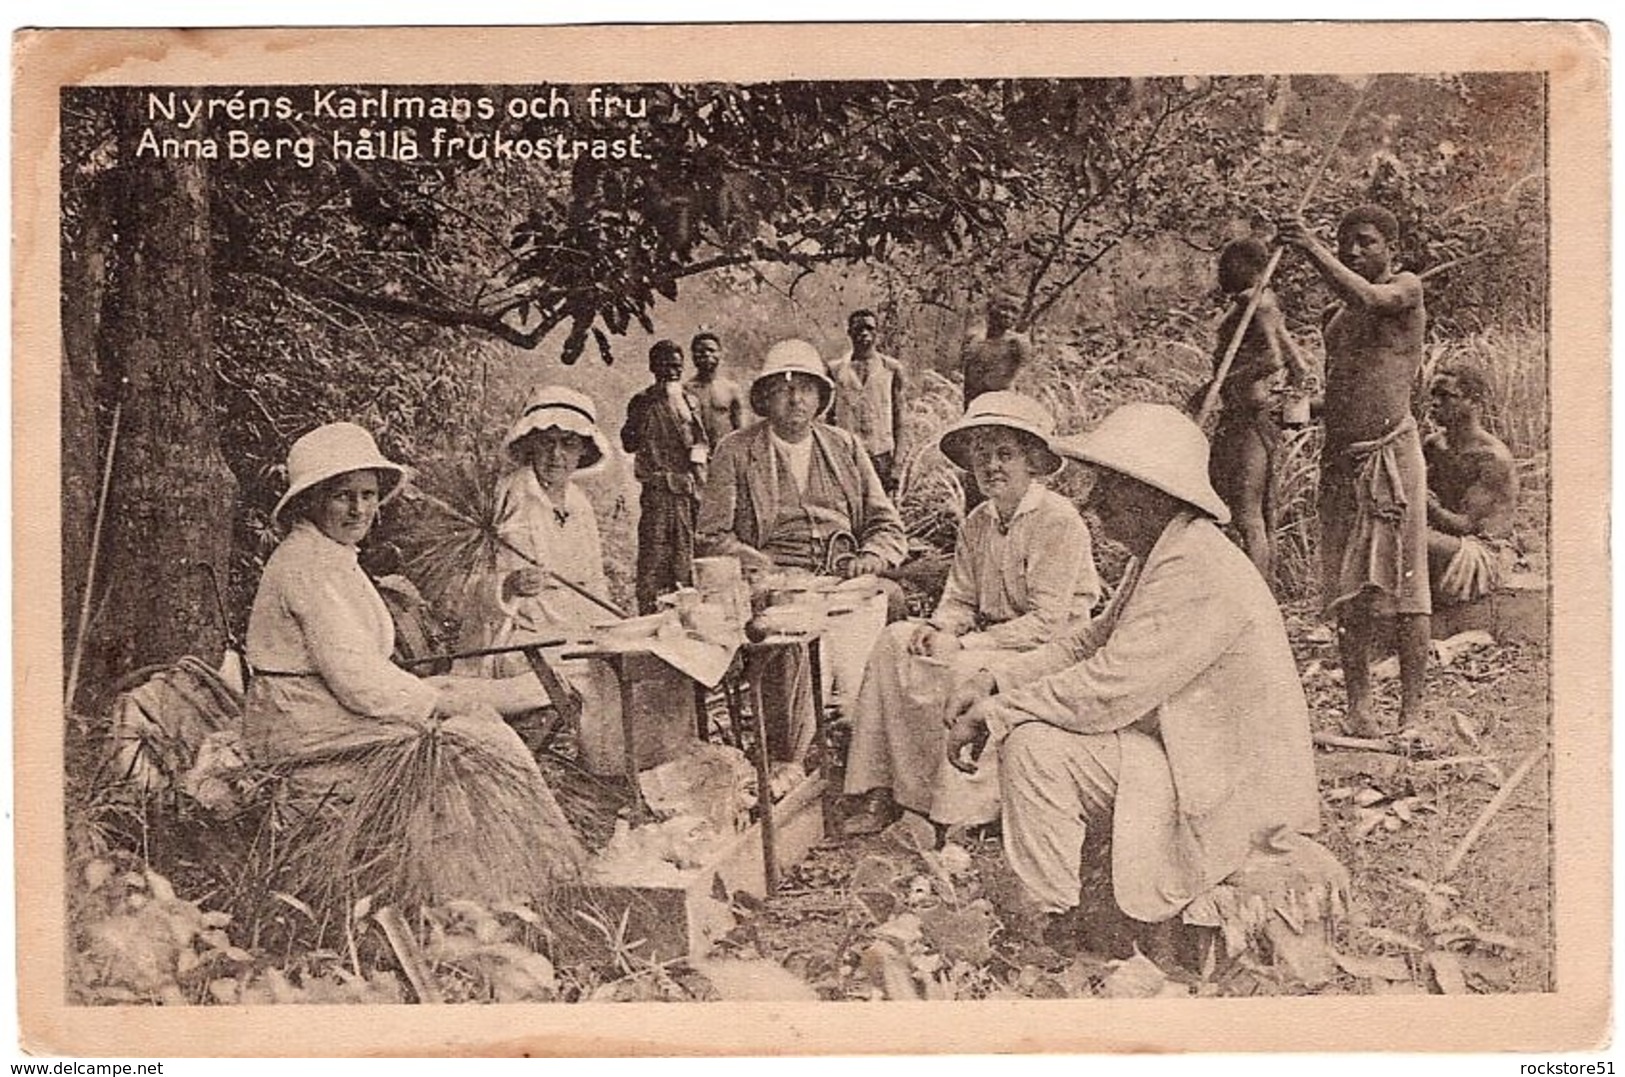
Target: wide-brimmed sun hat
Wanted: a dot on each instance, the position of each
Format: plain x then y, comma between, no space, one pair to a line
1155,443
1012,411
786,359
333,450
566,409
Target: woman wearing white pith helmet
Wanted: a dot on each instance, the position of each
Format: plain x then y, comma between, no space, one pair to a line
1023,568
319,641
794,492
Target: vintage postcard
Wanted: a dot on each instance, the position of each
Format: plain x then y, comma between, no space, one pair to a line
1090,536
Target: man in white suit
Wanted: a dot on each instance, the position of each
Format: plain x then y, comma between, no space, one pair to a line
1176,718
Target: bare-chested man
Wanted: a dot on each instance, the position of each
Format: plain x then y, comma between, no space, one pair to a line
1472,490
722,405
1373,481
990,361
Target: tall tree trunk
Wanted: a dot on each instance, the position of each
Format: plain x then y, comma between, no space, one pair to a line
84,279
172,496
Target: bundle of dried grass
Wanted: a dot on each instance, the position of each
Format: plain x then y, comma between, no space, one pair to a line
441,814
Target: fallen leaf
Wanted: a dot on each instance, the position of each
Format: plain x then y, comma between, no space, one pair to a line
954,858
879,904
1448,650
1367,820
1369,796
887,969
1373,966
1467,729
913,832
964,935
875,873
903,929
1137,977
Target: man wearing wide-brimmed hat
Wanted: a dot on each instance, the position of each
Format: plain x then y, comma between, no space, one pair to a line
1175,719
1023,568
781,490
794,492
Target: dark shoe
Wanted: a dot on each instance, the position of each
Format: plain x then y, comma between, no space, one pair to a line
874,813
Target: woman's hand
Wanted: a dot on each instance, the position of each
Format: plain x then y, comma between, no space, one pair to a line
967,694
526,582
968,730
930,640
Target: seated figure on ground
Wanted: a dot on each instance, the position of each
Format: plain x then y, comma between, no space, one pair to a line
1472,490
1175,721
1023,567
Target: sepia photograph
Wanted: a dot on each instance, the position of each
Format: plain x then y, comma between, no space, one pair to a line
1067,525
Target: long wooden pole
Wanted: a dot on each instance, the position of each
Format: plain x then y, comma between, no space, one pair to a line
90,570
1496,803
1211,398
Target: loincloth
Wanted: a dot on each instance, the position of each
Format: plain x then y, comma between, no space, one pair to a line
1373,519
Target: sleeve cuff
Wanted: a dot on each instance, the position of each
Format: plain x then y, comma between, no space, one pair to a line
978,641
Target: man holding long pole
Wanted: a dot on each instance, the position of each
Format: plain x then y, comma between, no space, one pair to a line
1373,481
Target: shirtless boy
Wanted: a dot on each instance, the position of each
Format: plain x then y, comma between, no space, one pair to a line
1373,481
991,360
722,406
1241,464
1472,489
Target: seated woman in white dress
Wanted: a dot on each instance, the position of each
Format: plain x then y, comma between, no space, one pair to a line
325,694
546,528
1023,567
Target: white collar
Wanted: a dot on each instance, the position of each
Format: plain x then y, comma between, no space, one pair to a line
321,546
1028,503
